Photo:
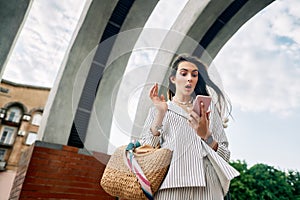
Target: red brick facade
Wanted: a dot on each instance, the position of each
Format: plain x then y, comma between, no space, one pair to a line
60,172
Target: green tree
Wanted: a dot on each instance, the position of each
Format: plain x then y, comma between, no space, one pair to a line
263,182
294,181
239,188
270,183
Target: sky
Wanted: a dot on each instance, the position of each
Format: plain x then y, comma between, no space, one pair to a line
45,36
259,67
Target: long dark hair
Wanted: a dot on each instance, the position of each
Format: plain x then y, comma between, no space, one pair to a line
203,83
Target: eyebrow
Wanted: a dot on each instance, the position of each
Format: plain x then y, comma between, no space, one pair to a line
183,69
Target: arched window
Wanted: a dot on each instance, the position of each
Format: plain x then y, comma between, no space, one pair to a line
37,118
14,114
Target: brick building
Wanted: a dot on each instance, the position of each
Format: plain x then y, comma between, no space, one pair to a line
31,169
21,109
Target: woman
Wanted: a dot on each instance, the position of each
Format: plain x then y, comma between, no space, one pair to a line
199,168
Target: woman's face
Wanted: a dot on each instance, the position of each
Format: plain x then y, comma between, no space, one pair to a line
186,78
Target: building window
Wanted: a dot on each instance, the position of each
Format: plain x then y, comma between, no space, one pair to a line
6,136
4,90
37,118
2,154
14,114
31,138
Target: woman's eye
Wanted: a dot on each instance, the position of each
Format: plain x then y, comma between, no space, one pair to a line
194,75
183,74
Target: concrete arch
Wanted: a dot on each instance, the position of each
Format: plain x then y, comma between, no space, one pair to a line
57,123
189,23
114,64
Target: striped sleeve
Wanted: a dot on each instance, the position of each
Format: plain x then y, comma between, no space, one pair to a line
220,136
147,136
223,151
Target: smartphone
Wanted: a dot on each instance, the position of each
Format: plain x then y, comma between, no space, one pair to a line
197,106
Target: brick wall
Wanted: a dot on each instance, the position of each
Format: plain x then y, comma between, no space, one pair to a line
62,172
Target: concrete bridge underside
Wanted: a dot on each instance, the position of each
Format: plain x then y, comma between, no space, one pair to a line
82,92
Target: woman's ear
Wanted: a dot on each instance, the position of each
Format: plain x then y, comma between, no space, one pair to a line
172,79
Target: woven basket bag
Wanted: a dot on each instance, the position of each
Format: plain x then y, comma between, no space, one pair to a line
119,181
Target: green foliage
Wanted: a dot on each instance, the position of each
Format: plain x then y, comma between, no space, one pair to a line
263,182
294,181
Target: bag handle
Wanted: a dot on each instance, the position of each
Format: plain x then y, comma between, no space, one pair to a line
137,170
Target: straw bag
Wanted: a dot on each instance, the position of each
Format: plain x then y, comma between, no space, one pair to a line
129,169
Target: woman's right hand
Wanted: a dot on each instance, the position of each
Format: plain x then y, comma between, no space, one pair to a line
159,102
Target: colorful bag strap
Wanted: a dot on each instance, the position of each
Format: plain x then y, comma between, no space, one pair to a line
137,170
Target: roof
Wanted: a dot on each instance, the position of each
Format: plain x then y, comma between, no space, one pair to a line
24,85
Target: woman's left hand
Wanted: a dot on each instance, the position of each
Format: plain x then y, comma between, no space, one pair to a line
200,123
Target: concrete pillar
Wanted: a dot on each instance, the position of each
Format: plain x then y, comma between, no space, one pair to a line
65,96
59,112
13,13
98,133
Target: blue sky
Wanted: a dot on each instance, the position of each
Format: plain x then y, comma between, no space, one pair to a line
259,67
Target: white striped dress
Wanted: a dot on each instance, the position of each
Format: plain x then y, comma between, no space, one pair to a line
196,170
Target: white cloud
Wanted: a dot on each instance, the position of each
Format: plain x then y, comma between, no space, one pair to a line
286,16
42,43
260,65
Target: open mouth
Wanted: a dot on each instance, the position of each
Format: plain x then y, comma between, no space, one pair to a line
188,86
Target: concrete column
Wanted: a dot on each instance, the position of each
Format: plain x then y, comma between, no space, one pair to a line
13,14
98,134
59,111
64,97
